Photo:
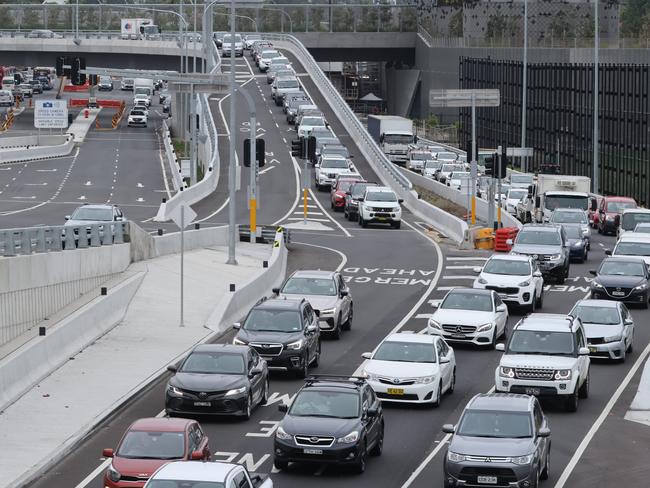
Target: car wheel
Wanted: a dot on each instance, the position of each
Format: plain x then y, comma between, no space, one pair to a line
336,333
304,370
540,300
316,360
348,323
379,446
397,225
364,223
493,342
281,465
533,304
265,392
249,407
583,392
645,302
600,231
361,463
561,278
630,347
571,402
547,465
436,402
452,383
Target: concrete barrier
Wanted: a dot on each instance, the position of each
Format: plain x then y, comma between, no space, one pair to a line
450,225
233,306
26,366
63,147
193,239
172,160
22,141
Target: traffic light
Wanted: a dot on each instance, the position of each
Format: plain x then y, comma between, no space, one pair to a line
93,80
260,153
76,77
60,61
310,150
297,146
503,168
489,165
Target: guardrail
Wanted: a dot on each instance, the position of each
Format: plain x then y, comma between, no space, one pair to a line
12,155
61,237
172,160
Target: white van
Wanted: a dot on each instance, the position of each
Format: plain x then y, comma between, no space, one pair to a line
629,219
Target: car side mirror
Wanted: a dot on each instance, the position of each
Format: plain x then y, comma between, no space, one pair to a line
172,369
583,351
196,455
608,252
477,269
448,428
366,355
67,217
593,272
594,205
500,347
444,360
317,312
372,411
344,293
236,325
400,200
276,291
254,372
628,322
361,199
544,432
107,453
502,308
317,165
537,274
283,407
348,193
312,328
509,242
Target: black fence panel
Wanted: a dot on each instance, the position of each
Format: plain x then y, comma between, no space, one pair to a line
559,118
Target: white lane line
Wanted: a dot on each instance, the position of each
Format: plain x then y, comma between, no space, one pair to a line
344,258
309,219
460,267
458,277
443,288
436,302
215,212
309,213
267,169
298,191
424,316
449,258
345,231
601,418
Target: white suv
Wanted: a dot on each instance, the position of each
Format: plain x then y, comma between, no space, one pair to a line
546,355
379,204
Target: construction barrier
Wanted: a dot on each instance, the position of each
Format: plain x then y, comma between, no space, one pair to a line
110,103
9,120
78,102
76,88
502,236
117,117
484,238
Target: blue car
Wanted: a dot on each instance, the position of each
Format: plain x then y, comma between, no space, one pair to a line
577,242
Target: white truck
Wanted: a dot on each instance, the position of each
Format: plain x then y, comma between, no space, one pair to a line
142,90
138,28
551,192
393,134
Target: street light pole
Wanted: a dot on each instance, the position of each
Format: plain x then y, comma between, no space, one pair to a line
233,136
473,167
524,81
596,170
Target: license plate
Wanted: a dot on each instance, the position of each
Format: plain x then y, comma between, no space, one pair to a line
381,218
202,404
492,480
312,451
593,349
531,391
458,336
503,295
618,293
395,391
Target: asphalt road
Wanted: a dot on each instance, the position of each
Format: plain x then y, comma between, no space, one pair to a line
395,276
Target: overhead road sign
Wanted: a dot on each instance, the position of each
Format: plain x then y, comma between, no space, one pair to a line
465,98
522,152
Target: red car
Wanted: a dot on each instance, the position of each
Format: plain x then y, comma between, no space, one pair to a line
592,212
150,443
337,193
608,209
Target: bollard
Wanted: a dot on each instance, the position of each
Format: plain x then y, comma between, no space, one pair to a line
160,232
86,112
265,264
197,226
41,331
164,200
232,287
103,291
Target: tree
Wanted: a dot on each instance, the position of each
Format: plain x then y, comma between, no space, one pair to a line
342,20
31,19
561,26
456,24
633,17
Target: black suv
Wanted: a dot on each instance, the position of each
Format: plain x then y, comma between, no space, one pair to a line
500,440
546,243
284,332
332,419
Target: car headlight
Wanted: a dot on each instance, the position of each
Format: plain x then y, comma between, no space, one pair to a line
294,346
576,244
585,231
595,284
524,283
507,372
614,338
482,281
642,286
350,438
523,459
555,257
484,327
425,380
327,311
609,218
113,474
562,374
455,458
239,342
369,376
173,391
281,434
434,325
236,391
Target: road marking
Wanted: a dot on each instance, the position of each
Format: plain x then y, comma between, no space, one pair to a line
310,213
215,212
449,258
24,198
42,170
344,258
296,171
308,219
601,418
458,277
35,184
444,288
267,169
460,267
424,316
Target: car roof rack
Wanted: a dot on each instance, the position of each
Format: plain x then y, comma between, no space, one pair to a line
316,378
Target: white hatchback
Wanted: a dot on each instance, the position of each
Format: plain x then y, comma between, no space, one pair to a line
411,368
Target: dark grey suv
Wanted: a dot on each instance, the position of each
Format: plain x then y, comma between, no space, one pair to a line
548,245
501,440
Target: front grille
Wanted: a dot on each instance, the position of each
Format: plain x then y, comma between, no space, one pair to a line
314,440
454,329
614,291
512,290
389,381
134,479
267,349
331,175
203,395
388,396
534,374
382,209
504,475
487,459
596,340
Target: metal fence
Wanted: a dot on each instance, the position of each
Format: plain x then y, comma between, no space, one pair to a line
560,118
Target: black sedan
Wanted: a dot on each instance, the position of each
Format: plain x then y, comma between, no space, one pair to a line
218,379
623,279
577,242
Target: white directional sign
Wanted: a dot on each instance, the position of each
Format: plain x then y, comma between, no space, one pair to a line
183,215
51,114
464,98
526,152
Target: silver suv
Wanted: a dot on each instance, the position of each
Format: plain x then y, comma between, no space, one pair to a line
500,440
328,295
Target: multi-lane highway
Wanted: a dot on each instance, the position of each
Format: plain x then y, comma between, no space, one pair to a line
396,278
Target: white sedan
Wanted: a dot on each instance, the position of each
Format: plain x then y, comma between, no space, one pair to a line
516,278
412,368
470,316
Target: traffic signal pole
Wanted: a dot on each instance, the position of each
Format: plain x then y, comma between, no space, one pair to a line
252,204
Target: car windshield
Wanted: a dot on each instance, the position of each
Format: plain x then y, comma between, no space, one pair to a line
452,167
618,207
569,217
517,194
573,231
398,139
406,352
92,214
447,156
514,178
318,403
381,196
273,321
137,112
507,267
479,302
539,237
344,185
310,286
456,175
643,228
499,424
228,38
597,315
421,156
617,267
334,163
269,54
152,445
541,342
629,220
204,362
315,121
632,249
433,164
566,201
358,189
183,484
288,84
341,151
